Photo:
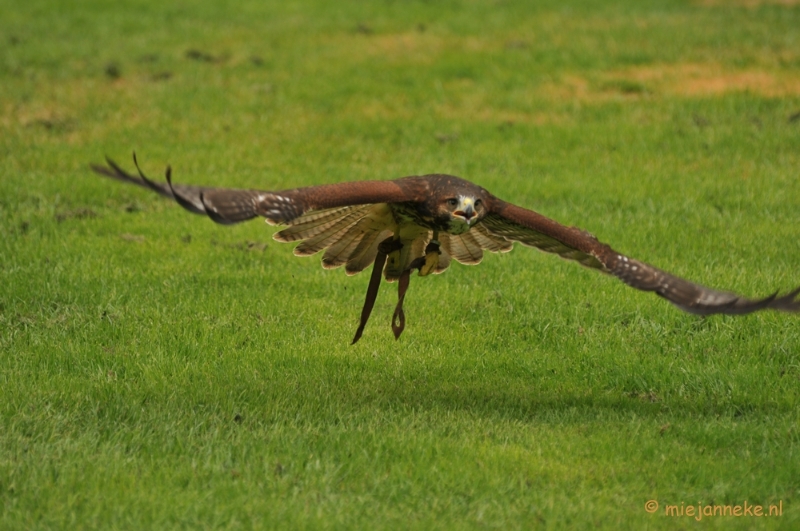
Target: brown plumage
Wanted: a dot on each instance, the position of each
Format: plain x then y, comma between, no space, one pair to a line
424,222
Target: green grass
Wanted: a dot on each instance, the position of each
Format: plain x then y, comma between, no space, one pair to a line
157,372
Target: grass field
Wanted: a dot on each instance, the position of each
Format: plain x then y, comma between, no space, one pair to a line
158,371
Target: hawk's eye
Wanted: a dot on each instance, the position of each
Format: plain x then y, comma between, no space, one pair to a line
452,202
478,202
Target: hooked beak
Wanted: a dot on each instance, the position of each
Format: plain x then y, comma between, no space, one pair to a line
465,209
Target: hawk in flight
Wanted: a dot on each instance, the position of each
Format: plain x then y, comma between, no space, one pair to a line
423,223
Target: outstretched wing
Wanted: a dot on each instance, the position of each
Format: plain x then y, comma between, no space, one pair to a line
534,230
229,205
347,220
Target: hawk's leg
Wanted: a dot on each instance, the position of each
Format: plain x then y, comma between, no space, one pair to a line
387,246
426,264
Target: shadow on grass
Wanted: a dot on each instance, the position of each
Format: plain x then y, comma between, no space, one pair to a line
551,406
344,388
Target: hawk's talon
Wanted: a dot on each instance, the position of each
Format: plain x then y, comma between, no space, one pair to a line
416,263
431,261
432,254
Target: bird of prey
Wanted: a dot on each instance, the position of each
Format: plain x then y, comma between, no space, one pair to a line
423,223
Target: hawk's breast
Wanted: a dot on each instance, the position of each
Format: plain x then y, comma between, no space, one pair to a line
409,213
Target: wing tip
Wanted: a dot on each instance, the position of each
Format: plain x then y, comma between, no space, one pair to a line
737,305
789,302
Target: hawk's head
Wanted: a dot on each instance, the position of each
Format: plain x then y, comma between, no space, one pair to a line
457,205
464,211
